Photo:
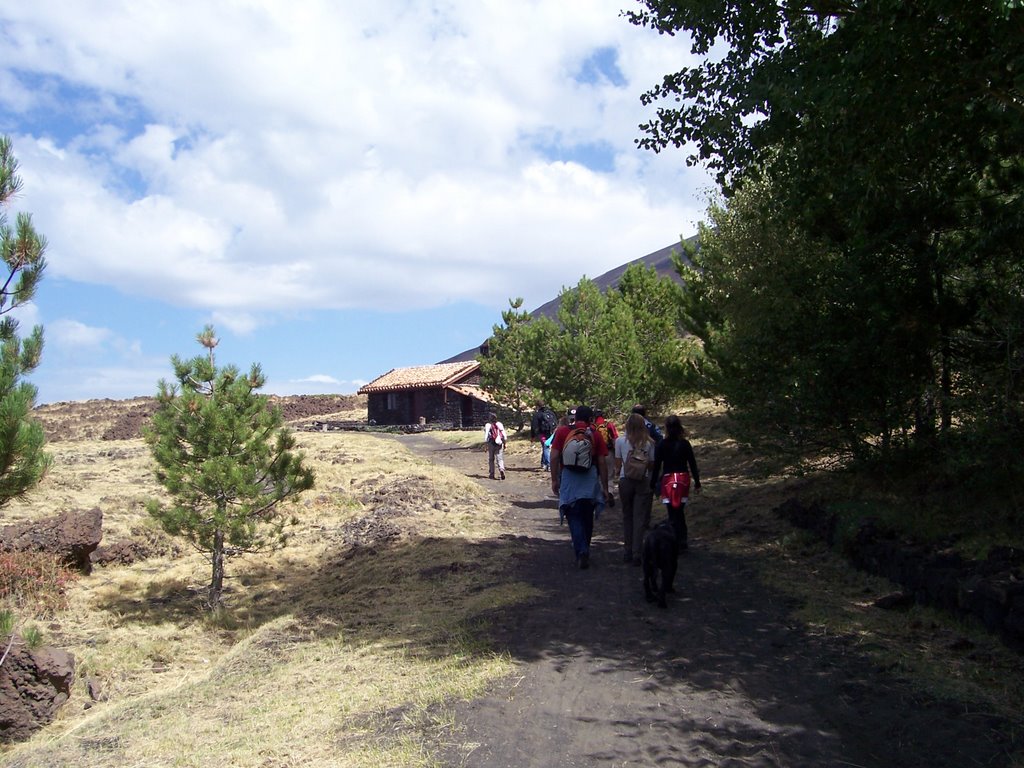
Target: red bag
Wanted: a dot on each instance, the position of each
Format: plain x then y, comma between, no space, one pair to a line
675,489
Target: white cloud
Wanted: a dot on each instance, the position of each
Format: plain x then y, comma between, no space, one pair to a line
317,378
241,323
316,384
27,316
254,157
76,335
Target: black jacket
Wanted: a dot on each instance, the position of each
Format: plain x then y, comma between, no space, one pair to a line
537,428
674,456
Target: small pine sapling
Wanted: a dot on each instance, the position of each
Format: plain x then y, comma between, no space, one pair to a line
226,460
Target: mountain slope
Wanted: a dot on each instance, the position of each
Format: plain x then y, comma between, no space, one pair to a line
660,260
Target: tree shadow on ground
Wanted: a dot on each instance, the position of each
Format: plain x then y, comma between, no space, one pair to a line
536,504
723,677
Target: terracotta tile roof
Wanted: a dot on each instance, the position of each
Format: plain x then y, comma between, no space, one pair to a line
420,376
472,390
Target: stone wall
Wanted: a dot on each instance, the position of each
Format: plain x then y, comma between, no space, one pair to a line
435,406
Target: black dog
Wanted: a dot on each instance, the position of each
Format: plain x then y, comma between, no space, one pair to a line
659,554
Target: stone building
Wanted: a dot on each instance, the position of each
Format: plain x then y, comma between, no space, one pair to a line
444,394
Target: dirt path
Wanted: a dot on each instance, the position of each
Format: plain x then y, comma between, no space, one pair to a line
723,677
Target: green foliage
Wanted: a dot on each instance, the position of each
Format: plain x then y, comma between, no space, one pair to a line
32,635
510,368
883,80
225,459
610,349
803,348
872,157
579,370
664,363
23,463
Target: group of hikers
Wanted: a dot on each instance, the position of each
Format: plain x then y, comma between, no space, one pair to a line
583,451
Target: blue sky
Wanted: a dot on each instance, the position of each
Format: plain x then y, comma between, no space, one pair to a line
338,190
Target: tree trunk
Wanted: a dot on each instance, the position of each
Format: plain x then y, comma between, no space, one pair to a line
217,582
946,356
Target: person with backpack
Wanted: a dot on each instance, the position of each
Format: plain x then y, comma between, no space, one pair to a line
494,440
542,427
579,477
634,460
610,434
675,468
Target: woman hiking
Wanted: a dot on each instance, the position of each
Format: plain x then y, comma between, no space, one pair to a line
674,460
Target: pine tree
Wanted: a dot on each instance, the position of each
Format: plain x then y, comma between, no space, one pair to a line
510,369
661,364
23,463
226,460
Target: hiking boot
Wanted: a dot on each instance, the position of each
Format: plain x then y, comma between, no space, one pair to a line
584,561
503,474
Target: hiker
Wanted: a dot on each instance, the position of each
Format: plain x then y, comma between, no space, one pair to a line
634,460
563,421
675,467
494,439
655,435
652,429
610,434
542,427
579,477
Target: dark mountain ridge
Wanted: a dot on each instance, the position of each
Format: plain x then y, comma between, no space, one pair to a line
660,260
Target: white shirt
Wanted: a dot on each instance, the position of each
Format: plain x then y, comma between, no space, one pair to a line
501,432
622,449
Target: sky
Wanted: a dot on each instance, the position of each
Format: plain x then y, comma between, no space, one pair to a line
339,188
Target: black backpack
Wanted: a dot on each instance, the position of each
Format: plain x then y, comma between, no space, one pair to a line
548,422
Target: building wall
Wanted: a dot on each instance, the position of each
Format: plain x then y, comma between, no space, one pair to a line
430,404
478,413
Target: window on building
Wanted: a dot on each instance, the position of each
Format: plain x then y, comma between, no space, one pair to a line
392,401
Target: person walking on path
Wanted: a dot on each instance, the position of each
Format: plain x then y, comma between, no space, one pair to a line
675,455
579,477
542,427
634,460
610,433
494,439
652,428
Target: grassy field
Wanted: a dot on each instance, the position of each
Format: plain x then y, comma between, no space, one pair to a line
349,646
337,650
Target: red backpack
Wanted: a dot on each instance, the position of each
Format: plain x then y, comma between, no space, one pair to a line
494,435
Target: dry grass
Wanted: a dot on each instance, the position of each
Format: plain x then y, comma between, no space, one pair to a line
342,649
115,475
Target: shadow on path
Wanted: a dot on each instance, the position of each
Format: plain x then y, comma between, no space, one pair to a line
723,677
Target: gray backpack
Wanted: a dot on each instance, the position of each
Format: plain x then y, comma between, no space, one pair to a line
577,453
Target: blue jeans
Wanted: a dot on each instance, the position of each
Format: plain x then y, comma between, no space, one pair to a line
580,515
545,454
